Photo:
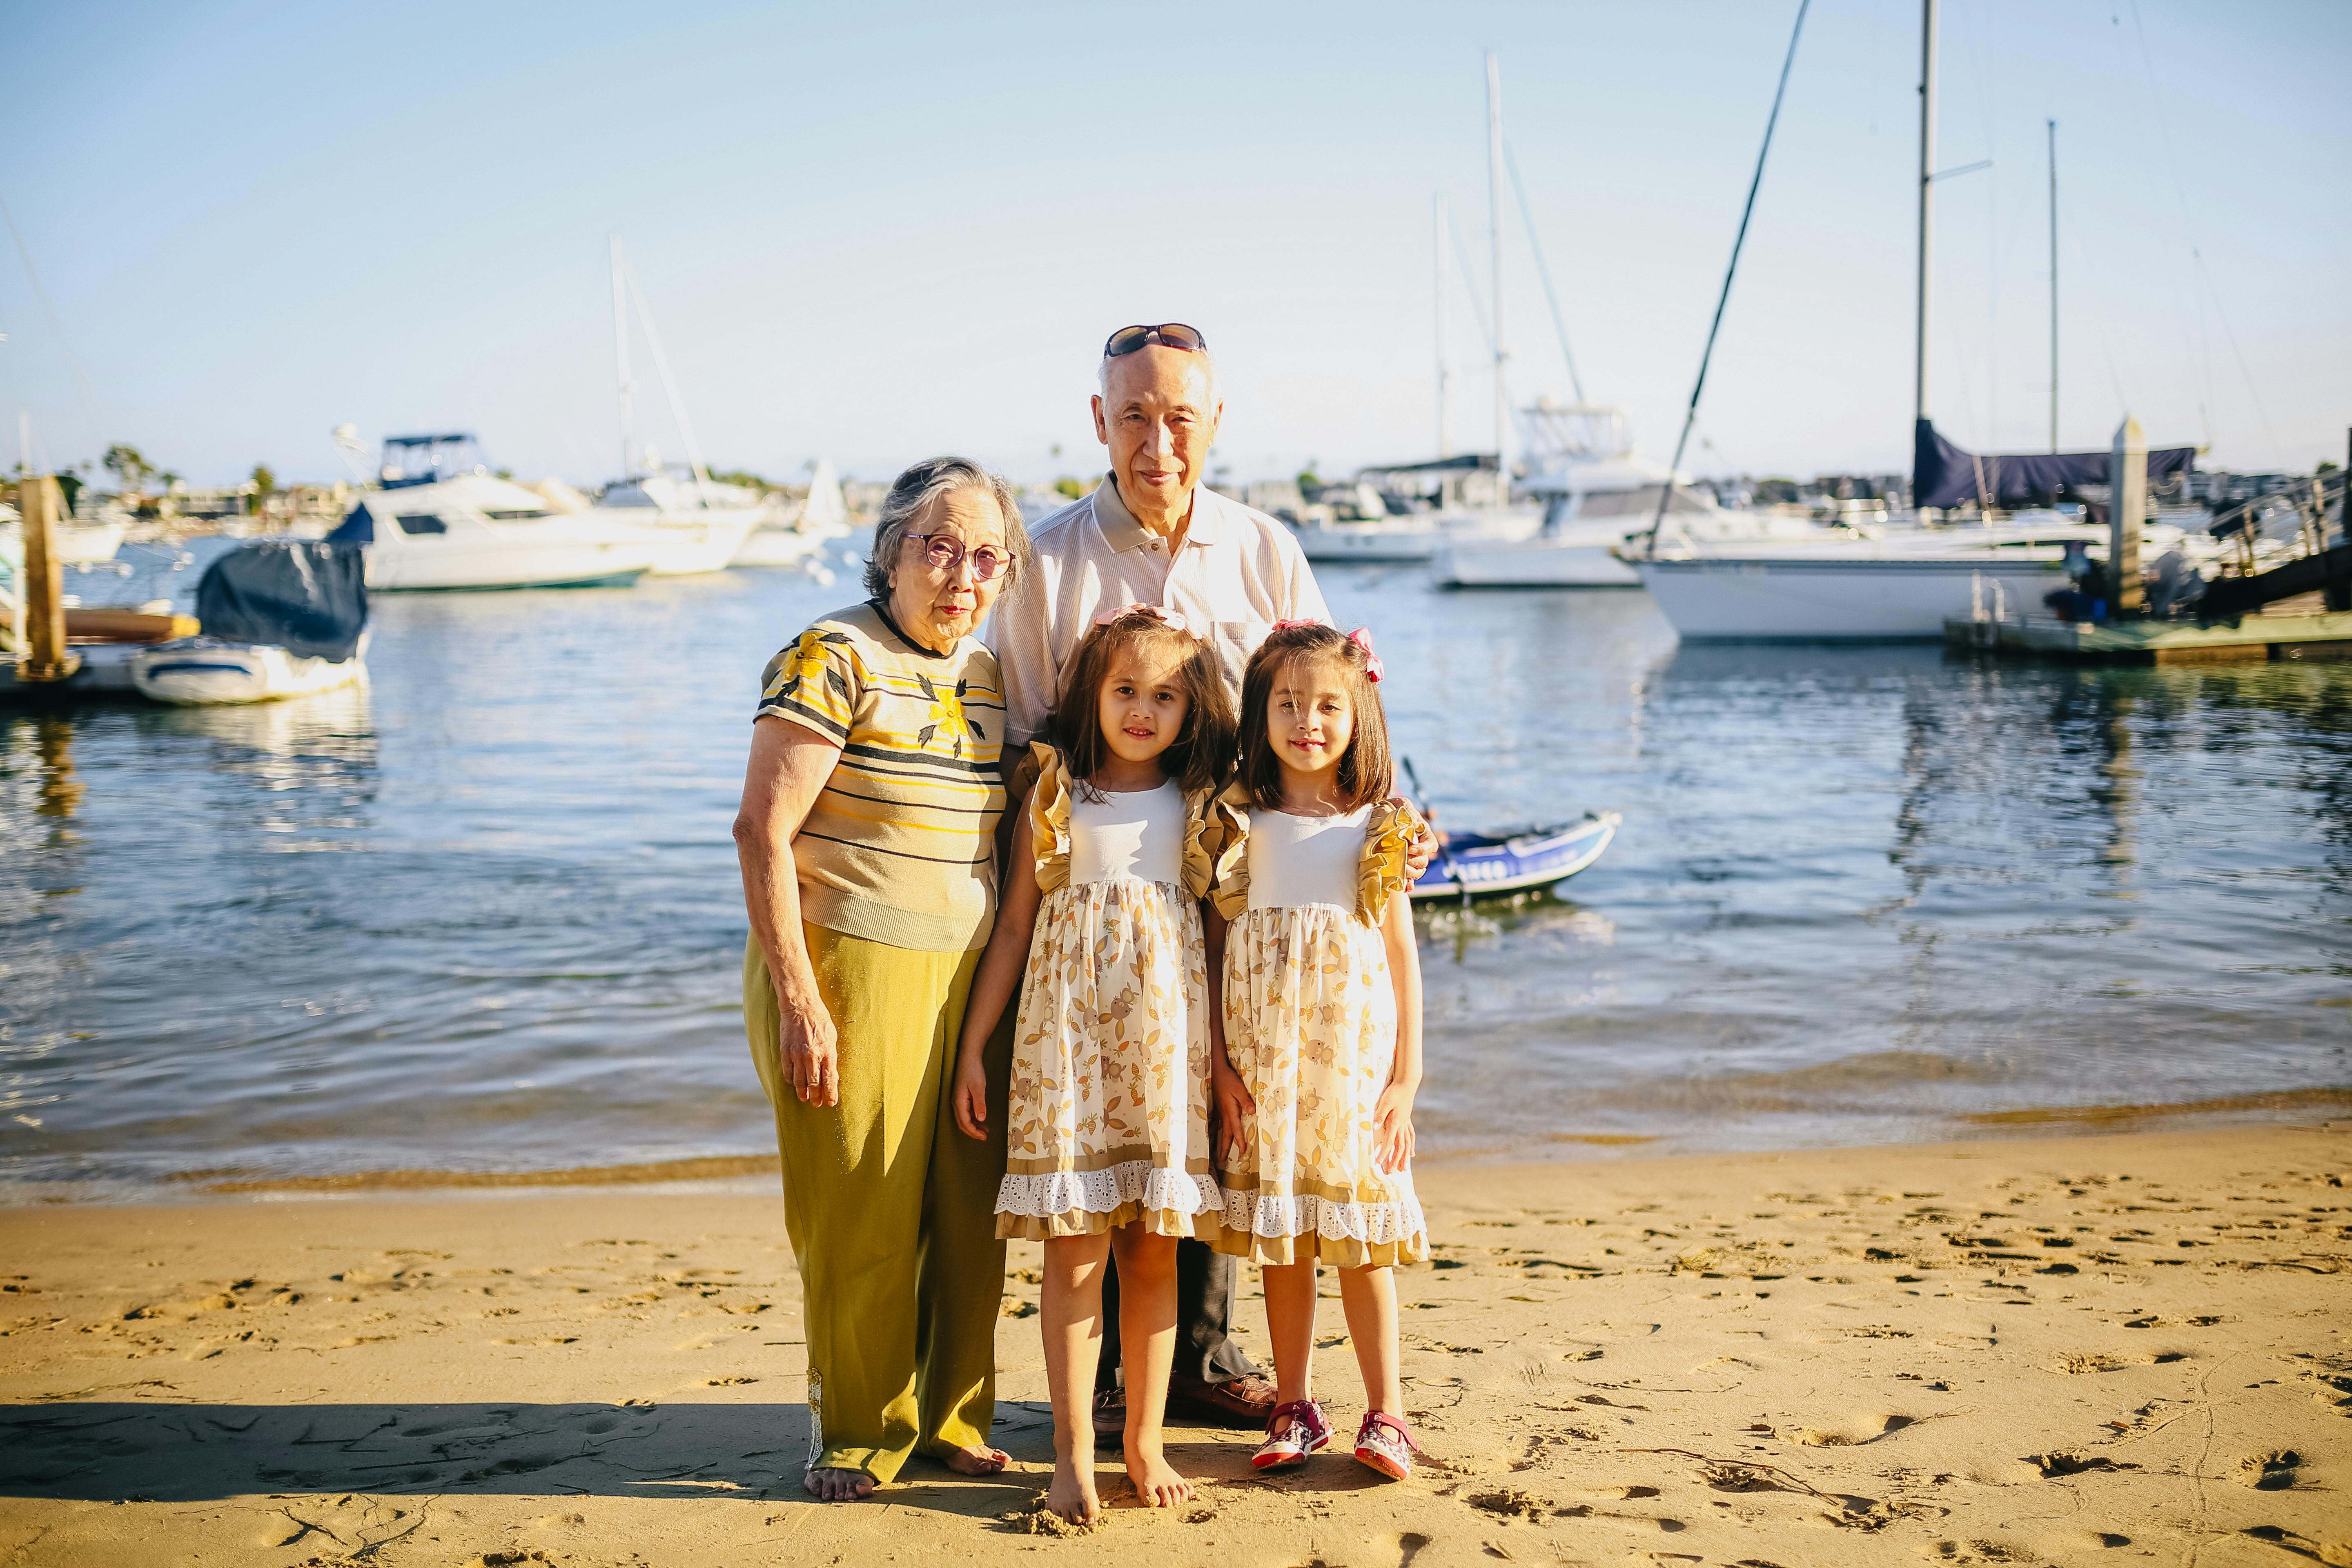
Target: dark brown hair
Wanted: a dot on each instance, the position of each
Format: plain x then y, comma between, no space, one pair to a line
1367,773
1201,753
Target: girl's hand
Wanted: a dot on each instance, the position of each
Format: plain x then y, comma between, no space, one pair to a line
971,1095
1392,1129
1233,1104
808,1049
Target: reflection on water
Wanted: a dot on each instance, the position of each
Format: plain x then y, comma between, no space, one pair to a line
483,915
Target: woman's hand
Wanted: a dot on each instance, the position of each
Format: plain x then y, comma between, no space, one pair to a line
1392,1129
808,1050
1233,1105
971,1095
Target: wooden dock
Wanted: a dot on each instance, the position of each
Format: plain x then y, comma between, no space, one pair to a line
2307,634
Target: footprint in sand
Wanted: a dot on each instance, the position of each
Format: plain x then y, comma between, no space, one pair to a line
2273,1471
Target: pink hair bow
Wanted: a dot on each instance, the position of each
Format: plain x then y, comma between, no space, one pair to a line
1285,625
1373,669
1160,613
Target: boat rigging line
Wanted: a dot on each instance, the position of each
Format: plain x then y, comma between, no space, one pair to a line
1543,270
1690,415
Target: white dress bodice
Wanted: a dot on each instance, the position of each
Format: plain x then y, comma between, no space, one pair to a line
1133,833
1300,860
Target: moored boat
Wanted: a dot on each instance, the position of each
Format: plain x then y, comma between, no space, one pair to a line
1517,859
443,522
279,618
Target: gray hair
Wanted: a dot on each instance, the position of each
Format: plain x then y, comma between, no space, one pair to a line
915,491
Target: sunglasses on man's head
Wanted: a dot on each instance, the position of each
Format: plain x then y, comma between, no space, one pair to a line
1168,334
944,550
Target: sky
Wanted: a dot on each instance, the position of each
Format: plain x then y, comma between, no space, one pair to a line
876,233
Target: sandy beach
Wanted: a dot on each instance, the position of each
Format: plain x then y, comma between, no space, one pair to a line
2089,1349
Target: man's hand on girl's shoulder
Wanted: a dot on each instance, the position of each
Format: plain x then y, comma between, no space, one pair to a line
1423,848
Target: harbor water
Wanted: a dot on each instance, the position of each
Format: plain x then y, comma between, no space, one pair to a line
480,918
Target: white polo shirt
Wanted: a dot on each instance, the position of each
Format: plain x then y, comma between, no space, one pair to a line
1238,573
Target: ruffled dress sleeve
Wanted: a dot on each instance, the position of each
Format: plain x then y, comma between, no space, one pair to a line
1381,873
1199,865
1225,836
1049,818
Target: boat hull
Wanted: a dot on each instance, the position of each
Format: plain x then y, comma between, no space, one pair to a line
1830,600
496,565
1486,863
776,547
691,545
205,677
1532,564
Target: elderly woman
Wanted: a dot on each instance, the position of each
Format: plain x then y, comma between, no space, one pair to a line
866,836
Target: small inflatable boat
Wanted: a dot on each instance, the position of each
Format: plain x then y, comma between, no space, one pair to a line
1478,864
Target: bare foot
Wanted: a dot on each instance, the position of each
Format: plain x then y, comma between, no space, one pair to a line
1156,1484
1072,1495
838,1486
979,1462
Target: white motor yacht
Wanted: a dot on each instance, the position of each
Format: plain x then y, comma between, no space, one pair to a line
442,522
1591,509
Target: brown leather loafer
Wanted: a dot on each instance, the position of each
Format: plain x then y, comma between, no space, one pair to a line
1240,1402
1110,1416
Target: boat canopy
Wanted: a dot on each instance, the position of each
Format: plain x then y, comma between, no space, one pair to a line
1942,475
307,597
427,459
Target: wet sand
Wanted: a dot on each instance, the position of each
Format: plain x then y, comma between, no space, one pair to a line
2088,1348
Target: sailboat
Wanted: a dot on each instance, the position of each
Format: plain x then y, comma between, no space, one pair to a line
696,523
1905,584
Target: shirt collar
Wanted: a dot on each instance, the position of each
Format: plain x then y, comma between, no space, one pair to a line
1123,532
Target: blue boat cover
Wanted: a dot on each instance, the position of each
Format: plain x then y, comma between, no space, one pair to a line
1942,475
358,527
309,598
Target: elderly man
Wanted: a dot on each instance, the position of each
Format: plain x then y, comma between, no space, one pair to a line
1149,534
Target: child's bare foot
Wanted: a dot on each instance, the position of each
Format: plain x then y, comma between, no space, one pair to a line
1157,1484
838,1486
977,1461
1072,1495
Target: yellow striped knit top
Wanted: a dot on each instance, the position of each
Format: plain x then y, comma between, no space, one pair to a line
899,847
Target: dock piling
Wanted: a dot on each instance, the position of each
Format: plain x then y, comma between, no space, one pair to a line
47,656
2126,512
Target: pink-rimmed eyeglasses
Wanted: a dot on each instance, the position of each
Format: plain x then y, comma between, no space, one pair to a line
943,551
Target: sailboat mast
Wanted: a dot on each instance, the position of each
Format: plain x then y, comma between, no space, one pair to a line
1495,239
2054,285
621,363
1437,308
1926,190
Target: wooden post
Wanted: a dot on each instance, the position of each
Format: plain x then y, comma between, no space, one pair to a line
46,658
2127,509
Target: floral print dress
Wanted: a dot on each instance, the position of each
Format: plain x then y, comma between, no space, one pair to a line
1110,1099
1311,1026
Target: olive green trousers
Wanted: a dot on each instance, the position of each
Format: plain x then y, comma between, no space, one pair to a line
891,1211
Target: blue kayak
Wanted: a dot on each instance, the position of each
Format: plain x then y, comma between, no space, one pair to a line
1516,860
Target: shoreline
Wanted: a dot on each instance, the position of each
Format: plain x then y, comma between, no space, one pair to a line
2004,1350
752,1174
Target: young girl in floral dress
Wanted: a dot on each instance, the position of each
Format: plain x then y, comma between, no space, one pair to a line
1320,1054
1108,1142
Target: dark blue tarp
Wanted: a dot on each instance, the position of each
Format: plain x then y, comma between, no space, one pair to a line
1942,475
309,598
357,528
